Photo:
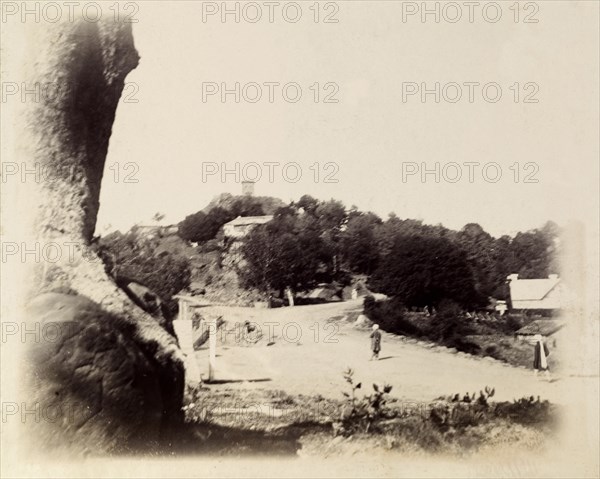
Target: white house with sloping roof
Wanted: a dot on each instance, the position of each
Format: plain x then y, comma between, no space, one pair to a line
242,225
545,293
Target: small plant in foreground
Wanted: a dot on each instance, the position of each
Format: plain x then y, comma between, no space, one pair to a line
361,414
527,410
455,412
482,400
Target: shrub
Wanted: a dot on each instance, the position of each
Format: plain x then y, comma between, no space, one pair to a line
201,227
458,413
369,304
458,416
361,414
447,326
449,422
493,352
448,323
391,316
509,324
420,431
529,411
463,345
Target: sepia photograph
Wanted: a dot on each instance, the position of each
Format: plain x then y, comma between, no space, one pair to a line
293,239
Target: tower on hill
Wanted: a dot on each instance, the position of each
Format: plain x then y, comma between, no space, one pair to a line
247,188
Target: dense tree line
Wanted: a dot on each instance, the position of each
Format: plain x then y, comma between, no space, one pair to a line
312,241
426,270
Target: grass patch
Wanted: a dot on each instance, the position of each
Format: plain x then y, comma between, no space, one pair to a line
239,422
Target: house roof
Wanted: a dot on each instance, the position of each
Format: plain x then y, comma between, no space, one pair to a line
250,220
545,327
324,292
531,289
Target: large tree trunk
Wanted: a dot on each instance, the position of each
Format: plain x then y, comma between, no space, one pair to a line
113,357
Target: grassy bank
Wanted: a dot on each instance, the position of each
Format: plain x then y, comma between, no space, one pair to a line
248,422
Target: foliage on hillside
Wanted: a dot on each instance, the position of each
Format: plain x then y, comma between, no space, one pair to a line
283,253
137,257
479,334
422,271
227,201
204,225
313,241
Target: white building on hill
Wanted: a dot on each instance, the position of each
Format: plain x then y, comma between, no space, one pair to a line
546,293
242,225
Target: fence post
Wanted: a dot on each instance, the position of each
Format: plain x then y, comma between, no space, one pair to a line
212,345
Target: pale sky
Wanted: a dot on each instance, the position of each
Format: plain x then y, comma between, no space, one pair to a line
371,131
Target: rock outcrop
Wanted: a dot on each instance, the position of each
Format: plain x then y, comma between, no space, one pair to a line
97,388
115,377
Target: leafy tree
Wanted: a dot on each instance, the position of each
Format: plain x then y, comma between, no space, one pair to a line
421,271
394,228
193,227
359,243
279,254
481,254
308,204
327,220
246,206
201,227
331,217
531,254
216,218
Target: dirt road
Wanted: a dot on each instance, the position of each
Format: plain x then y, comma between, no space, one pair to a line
305,349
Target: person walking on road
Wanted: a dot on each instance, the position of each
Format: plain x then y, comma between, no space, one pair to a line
375,342
540,356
